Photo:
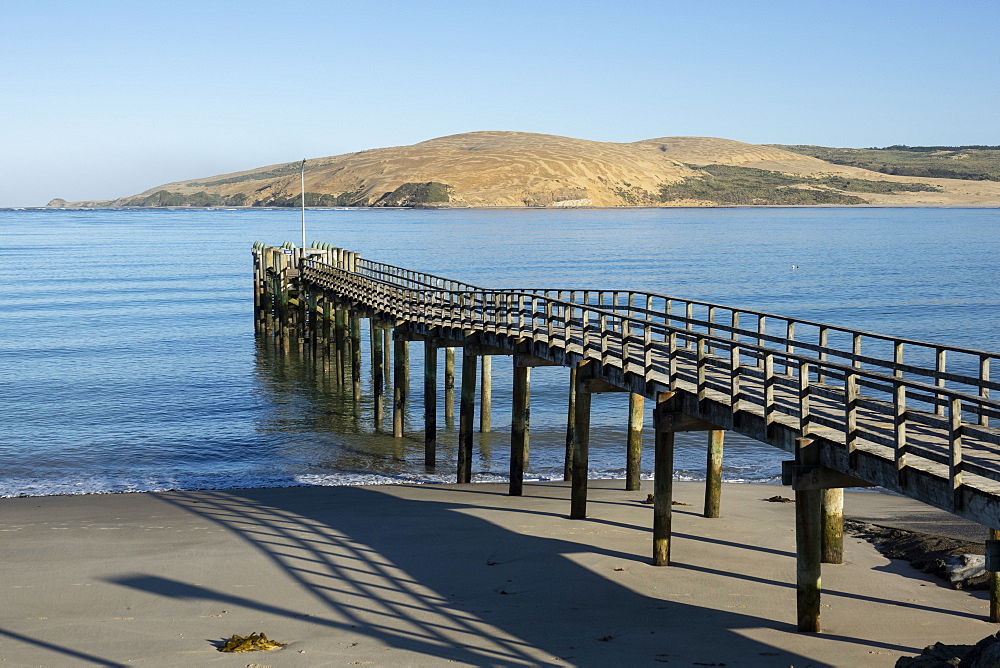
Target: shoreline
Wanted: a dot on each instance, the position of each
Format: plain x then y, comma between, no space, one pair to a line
344,479
906,514
503,208
432,574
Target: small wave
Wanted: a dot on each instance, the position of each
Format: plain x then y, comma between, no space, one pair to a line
101,485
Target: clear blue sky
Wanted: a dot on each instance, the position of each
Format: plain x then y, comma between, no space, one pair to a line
106,99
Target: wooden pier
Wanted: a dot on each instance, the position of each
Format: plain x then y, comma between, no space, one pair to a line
854,408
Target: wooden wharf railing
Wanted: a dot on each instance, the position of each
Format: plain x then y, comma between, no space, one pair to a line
855,407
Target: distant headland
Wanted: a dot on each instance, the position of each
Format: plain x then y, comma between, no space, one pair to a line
519,169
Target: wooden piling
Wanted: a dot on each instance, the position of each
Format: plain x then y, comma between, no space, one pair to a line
430,404
284,310
581,452
340,342
833,526
327,330
808,543
633,456
663,482
405,365
355,356
449,385
486,394
466,414
314,321
398,387
269,295
520,426
387,351
570,426
994,582
258,293
302,312
378,372
713,473
348,345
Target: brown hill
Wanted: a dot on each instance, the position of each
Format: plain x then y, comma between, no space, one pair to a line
514,169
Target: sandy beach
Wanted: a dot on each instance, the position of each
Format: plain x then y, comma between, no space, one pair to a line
443,574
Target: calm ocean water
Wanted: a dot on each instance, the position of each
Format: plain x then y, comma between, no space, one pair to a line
128,360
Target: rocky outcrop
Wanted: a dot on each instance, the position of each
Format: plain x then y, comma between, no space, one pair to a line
984,654
960,562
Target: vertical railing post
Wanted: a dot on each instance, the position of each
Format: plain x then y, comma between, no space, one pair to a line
603,333
899,432
711,328
768,360
672,358
549,325
824,340
735,368
955,465
851,396
567,330
701,368
805,390
761,329
647,342
984,392
789,347
688,325
626,338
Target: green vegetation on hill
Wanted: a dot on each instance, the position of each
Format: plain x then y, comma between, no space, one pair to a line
972,163
312,199
729,185
201,198
415,194
867,186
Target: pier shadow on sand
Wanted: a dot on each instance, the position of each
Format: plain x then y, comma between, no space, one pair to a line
427,576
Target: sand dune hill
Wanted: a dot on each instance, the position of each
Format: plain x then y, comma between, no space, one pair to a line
514,169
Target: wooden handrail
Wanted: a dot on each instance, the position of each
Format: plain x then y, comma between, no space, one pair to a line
596,298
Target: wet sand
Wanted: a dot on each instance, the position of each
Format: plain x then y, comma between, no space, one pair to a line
443,574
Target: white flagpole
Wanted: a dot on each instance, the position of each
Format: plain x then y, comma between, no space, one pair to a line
303,180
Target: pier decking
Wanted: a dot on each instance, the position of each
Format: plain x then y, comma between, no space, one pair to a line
855,408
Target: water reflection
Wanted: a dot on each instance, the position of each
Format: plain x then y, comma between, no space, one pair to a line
324,436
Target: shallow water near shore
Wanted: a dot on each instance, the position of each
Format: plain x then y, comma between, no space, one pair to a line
128,360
